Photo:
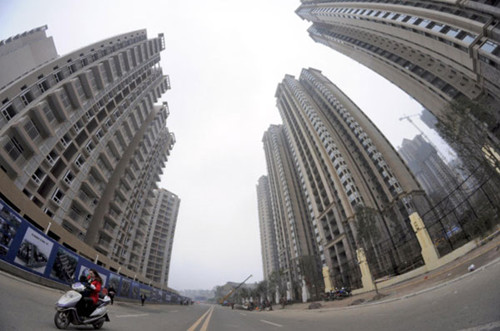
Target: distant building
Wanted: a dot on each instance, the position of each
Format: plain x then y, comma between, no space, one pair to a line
267,228
295,238
431,171
436,51
83,140
350,175
160,236
435,176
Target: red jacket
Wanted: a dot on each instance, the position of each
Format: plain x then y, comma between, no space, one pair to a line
94,294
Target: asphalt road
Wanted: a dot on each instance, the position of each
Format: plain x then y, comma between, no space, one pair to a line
471,302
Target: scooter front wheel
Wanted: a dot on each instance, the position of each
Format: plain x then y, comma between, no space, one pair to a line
61,319
97,325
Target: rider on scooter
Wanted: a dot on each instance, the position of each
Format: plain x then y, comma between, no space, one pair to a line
91,297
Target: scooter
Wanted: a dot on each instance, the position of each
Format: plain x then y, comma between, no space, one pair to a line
66,310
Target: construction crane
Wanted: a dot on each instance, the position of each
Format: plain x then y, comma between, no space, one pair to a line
408,118
223,299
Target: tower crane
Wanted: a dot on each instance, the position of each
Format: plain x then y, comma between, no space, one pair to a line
408,118
222,300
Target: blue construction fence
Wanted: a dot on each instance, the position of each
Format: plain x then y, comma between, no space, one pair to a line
26,247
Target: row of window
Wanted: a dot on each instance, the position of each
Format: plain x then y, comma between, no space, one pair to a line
435,6
10,108
358,131
397,61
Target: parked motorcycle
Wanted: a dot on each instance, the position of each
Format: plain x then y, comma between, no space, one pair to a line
67,311
343,292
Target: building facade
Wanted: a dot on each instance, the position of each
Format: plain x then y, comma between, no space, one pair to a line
160,236
436,51
266,226
82,138
295,242
358,190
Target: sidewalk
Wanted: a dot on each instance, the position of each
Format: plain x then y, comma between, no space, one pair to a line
480,256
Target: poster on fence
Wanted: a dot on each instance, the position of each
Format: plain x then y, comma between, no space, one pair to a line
125,288
64,267
9,224
114,282
34,251
135,290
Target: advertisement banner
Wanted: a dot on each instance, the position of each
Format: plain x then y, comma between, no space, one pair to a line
9,225
64,266
113,282
135,290
125,287
34,251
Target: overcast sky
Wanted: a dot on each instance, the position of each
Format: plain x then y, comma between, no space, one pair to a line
225,59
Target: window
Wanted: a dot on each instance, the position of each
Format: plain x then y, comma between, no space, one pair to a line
31,130
52,157
489,47
80,160
89,147
99,134
68,178
65,100
58,76
78,126
49,114
13,148
38,176
8,112
65,140
58,196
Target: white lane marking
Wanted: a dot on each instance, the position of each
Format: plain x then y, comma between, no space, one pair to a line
243,314
275,324
132,315
174,311
485,327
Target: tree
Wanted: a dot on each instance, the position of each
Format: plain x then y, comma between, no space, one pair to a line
276,280
312,273
261,290
367,230
469,126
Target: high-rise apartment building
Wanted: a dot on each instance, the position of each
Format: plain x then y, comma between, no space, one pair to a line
435,51
81,136
347,170
160,236
293,227
266,225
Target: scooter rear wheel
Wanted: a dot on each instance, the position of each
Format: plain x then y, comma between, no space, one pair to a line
61,319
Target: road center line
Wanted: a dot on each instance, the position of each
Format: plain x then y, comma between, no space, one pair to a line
207,320
195,325
132,315
275,324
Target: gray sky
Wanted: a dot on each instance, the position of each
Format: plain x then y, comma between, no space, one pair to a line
225,59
